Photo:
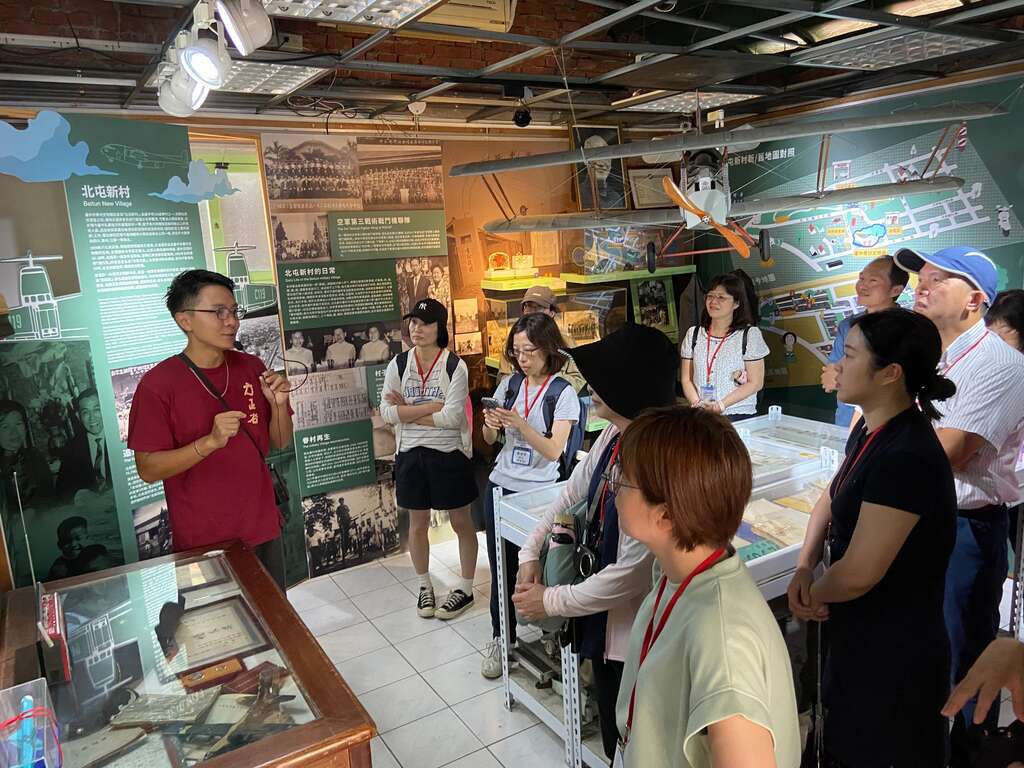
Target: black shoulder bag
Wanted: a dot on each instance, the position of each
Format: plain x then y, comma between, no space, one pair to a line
281,496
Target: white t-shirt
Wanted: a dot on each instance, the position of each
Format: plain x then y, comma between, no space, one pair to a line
727,361
519,466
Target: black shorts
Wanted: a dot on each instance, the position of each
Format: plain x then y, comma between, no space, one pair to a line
429,479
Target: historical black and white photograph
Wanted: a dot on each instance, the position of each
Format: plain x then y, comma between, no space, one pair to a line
652,303
300,237
351,527
301,168
467,319
124,382
53,445
261,336
333,347
467,344
152,525
426,278
405,175
605,177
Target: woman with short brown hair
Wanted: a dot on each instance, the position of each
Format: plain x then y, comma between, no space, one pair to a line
707,680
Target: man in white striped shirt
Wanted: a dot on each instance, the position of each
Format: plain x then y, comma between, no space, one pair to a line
981,430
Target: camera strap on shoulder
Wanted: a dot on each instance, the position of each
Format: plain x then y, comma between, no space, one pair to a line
224,403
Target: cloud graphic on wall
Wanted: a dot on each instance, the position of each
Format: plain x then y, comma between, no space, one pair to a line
869,237
41,151
202,185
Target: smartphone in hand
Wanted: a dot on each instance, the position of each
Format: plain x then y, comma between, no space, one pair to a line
489,403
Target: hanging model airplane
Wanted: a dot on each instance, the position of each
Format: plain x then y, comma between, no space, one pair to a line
703,199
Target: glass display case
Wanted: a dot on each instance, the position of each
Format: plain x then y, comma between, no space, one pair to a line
794,432
174,662
583,316
621,249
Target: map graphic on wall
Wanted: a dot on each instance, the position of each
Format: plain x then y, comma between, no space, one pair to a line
807,283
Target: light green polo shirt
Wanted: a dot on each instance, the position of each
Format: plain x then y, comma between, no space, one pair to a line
720,654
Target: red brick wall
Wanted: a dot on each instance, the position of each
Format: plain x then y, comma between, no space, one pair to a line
101,19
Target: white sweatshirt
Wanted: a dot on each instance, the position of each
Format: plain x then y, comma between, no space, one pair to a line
451,430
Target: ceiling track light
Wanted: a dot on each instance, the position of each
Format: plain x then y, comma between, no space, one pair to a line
246,24
206,58
178,93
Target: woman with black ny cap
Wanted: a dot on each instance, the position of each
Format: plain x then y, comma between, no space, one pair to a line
885,530
424,397
606,602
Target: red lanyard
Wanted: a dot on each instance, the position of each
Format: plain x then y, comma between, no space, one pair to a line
651,635
965,353
847,468
527,405
710,358
608,471
430,370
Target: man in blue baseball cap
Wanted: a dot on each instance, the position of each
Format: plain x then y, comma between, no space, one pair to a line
981,431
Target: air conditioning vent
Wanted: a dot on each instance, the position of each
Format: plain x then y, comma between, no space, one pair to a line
476,14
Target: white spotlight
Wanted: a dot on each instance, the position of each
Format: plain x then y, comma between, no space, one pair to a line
204,60
246,23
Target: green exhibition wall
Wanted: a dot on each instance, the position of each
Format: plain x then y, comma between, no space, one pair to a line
808,288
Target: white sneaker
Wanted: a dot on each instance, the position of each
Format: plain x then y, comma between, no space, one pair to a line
490,667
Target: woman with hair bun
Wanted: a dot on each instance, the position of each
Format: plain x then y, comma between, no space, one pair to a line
885,529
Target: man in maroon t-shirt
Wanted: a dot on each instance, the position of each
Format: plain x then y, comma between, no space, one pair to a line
215,477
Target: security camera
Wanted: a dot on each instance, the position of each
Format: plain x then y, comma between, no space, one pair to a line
666,7
522,117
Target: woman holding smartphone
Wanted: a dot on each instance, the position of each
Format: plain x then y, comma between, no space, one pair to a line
535,437
723,357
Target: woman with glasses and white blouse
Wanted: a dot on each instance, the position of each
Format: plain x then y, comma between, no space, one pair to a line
723,357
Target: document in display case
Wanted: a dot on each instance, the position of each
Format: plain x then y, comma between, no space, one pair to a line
187,659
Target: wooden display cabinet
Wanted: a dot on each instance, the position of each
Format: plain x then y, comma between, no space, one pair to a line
233,620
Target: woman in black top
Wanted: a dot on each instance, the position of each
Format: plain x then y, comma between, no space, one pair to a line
886,528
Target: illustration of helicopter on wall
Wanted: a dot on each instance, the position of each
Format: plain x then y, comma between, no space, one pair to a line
38,315
703,200
252,297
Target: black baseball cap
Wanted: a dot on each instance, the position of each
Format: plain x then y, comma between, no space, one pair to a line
429,311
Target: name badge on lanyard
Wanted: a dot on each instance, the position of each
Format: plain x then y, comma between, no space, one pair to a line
522,456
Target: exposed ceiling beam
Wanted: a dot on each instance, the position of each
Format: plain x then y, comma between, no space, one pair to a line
692,142
184,19
917,23
360,48
725,37
50,41
583,32
689,21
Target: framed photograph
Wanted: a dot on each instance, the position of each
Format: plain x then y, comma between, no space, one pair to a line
654,305
645,187
201,573
218,631
605,177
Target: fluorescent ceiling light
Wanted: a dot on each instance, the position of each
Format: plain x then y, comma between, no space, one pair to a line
687,102
893,51
378,13
263,77
246,24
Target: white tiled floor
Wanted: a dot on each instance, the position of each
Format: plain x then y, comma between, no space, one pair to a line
420,678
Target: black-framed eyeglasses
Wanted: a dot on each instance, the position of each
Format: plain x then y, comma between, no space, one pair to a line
223,313
615,484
